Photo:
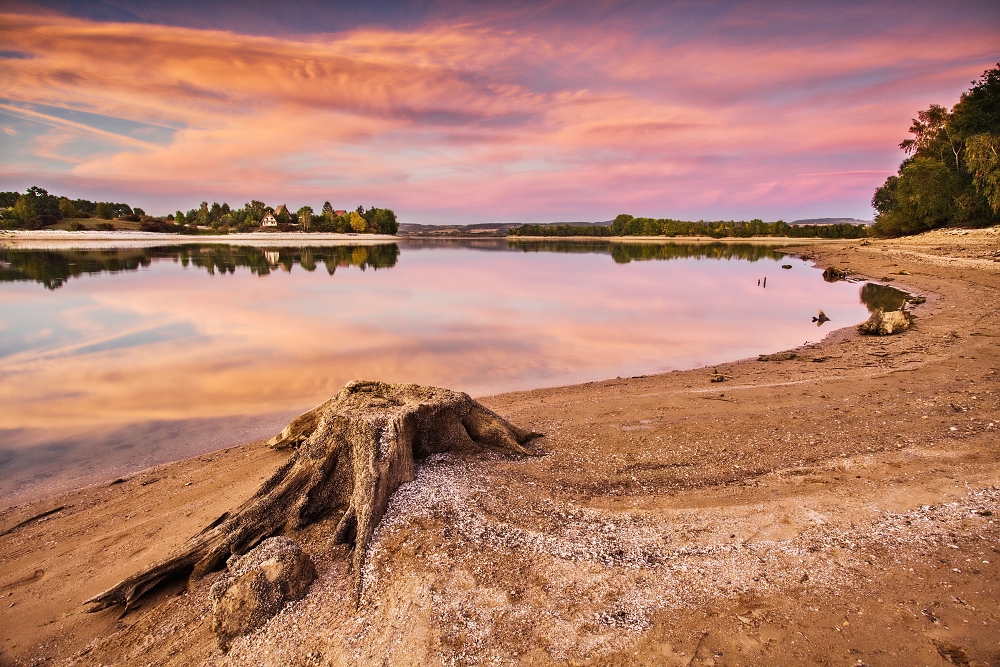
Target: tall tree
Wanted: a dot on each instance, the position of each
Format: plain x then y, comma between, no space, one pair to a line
950,175
305,215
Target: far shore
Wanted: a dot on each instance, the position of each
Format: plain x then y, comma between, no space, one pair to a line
54,239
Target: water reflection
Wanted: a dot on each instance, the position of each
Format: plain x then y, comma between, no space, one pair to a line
53,268
161,350
623,253
876,296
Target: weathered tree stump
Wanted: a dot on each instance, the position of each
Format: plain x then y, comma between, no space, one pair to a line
352,453
885,323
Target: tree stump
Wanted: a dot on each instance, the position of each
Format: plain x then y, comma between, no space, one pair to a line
352,453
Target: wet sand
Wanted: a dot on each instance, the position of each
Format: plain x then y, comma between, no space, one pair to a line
838,507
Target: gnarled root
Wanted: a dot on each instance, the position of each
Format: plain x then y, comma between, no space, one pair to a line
352,453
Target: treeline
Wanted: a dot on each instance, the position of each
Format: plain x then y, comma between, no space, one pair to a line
37,209
627,225
222,217
951,175
52,268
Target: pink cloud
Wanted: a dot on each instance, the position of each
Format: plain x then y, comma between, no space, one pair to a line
472,121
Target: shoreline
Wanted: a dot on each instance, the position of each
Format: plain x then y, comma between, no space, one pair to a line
54,239
756,485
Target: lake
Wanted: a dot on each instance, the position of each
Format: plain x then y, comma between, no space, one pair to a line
116,359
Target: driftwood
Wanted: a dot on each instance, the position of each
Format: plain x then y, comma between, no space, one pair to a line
352,453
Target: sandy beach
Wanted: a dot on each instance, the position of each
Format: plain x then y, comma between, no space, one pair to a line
836,505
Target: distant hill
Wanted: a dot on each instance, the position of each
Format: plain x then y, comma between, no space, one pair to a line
831,221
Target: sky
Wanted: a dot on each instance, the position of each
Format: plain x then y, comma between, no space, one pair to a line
478,112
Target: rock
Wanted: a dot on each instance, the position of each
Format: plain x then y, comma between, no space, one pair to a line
832,274
883,323
777,356
786,266
256,587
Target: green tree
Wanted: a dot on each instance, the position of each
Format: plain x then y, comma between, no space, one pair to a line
305,215
381,220
256,209
950,175
621,222
105,210
24,209
981,154
67,209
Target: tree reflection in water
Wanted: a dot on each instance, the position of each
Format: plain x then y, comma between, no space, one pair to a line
876,296
623,253
53,268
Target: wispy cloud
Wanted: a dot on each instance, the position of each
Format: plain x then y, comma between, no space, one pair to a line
470,119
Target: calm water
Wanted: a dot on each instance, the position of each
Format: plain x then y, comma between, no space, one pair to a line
111,360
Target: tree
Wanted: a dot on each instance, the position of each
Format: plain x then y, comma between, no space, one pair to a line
24,209
67,209
357,222
105,210
981,154
381,220
45,205
621,221
256,208
950,175
304,216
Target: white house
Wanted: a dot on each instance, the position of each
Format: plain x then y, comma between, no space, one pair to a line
269,220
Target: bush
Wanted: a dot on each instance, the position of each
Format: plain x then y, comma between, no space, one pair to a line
105,227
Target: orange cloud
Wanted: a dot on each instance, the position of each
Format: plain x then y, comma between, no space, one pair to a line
464,118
